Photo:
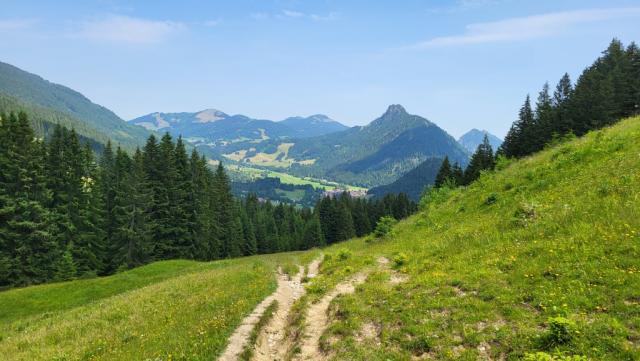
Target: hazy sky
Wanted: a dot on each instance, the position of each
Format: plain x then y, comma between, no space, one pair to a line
461,64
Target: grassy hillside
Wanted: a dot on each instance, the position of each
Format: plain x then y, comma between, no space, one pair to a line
167,310
485,271
541,256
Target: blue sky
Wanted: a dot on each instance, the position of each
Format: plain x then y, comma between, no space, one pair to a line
461,64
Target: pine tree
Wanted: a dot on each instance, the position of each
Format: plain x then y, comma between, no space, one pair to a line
480,161
250,245
633,53
184,216
225,214
27,233
563,118
457,174
516,142
65,268
543,120
313,233
444,173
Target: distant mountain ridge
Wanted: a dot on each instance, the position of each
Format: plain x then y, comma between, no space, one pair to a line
370,155
473,138
213,127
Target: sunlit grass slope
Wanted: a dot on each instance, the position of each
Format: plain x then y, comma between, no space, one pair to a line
490,268
179,310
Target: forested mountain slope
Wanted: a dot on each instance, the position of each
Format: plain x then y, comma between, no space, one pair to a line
413,182
34,90
370,155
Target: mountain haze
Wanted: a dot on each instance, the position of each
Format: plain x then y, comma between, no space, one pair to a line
212,127
473,138
32,90
377,153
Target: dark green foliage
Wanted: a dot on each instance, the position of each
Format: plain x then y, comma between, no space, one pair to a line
64,216
605,92
344,217
561,331
384,226
444,173
28,248
483,159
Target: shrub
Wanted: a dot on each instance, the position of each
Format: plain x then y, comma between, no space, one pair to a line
491,199
561,331
344,254
384,226
400,259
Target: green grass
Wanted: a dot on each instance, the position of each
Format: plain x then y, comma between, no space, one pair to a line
490,267
61,296
542,255
179,310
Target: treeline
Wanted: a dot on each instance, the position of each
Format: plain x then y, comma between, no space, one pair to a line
344,217
454,176
606,92
65,214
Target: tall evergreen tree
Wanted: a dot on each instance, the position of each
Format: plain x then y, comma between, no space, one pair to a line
481,160
27,233
516,143
444,173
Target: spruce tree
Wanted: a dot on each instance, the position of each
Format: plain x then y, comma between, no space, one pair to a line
226,215
563,118
444,173
481,160
27,233
313,233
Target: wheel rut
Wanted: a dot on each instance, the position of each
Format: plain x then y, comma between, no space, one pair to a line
271,343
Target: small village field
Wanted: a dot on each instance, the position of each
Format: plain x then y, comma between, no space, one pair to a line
286,178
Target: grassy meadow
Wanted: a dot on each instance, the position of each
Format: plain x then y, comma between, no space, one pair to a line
171,310
542,256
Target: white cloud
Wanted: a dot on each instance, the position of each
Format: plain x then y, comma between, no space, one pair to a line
329,17
16,24
529,27
292,14
125,29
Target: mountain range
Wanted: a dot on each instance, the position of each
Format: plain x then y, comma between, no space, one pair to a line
473,138
214,128
316,146
370,155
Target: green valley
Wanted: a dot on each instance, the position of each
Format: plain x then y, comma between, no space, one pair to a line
535,265
231,218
